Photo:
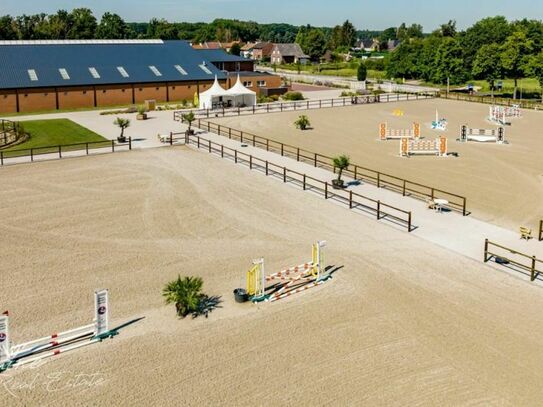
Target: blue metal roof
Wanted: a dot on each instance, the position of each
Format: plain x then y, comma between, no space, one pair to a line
220,55
77,57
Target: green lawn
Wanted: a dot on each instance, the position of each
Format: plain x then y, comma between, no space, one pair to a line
526,84
55,132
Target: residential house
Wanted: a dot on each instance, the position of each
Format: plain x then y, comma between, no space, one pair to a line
247,50
262,51
393,44
288,54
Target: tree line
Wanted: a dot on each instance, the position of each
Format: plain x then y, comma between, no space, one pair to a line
492,49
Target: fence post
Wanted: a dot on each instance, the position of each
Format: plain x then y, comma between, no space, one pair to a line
266,168
533,268
378,210
250,162
222,151
281,106
112,146
541,230
171,138
254,142
284,174
378,180
315,159
31,154
485,259
350,199
282,149
409,222
87,148
1,158
332,102
403,189
304,181
130,143
230,132
464,212
59,151
343,101
433,194
209,145
236,156
355,173
267,144
241,136
326,190
320,103
219,129
298,154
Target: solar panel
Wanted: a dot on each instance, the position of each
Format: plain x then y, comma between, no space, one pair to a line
33,75
94,73
123,72
64,73
155,70
205,69
181,70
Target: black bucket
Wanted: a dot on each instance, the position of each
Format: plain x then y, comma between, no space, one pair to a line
240,295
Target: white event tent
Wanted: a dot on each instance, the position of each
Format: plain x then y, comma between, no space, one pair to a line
237,96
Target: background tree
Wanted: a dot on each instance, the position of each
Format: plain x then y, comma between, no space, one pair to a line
448,29
8,30
236,49
60,24
514,55
312,41
534,67
492,30
449,63
487,64
83,24
112,26
348,34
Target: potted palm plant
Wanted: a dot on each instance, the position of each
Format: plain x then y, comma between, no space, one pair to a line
302,123
341,162
142,113
189,118
123,124
186,294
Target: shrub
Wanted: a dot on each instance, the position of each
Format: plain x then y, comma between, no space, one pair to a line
186,294
362,72
142,109
302,123
293,96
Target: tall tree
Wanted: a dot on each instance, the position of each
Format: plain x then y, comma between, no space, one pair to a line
486,31
112,26
514,56
449,63
448,29
83,24
8,29
487,64
348,34
60,24
534,68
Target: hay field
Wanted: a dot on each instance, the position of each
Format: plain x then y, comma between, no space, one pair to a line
392,328
503,183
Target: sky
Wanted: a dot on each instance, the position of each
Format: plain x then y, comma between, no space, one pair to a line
364,14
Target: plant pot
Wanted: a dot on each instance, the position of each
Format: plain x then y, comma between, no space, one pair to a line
240,295
142,116
121,139
338,184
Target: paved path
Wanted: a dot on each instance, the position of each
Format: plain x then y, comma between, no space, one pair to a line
462,234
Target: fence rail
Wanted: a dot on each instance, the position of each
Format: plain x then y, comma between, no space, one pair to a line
357,172
522,261
6,156
525,104
355,201
298,105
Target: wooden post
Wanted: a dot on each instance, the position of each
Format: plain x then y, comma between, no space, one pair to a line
326,190
230,132
209,144
171,138
378,210
533,268
284,174
219,129
236,156
59,151
320,103
485,259
130,143
464,212
254,142
378,180
198,144
409,222
241,136
350,199
282,149
222,151
267,144
298,154
304,181
541,230
315,159
433,194
266,168
403,189
1,158
355,173
87,148
250,162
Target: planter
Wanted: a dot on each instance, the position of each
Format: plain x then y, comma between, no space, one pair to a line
121,139
338,184
142,116
240,295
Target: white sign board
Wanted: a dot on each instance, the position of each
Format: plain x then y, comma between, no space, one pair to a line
4,338
101,306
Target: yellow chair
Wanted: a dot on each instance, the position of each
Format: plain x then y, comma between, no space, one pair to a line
525,233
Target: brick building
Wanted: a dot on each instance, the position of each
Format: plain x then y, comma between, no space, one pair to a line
54,75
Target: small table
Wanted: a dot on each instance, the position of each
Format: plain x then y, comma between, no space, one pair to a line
440,203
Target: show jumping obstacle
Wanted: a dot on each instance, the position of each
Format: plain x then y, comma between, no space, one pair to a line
398,112
395,134
439,124
427,147
285,283
57,343
500,114
482,135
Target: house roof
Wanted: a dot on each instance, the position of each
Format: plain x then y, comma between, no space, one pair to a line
220,55
291,50
249,46
262,45
34,64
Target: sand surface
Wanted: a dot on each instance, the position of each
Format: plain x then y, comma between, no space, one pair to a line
503,183
403,322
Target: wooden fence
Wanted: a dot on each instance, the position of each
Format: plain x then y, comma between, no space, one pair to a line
11,155
357,172
525,104
298,105
352,200
522,262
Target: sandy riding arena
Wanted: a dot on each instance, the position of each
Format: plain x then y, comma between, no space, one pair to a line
503,183
403,321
